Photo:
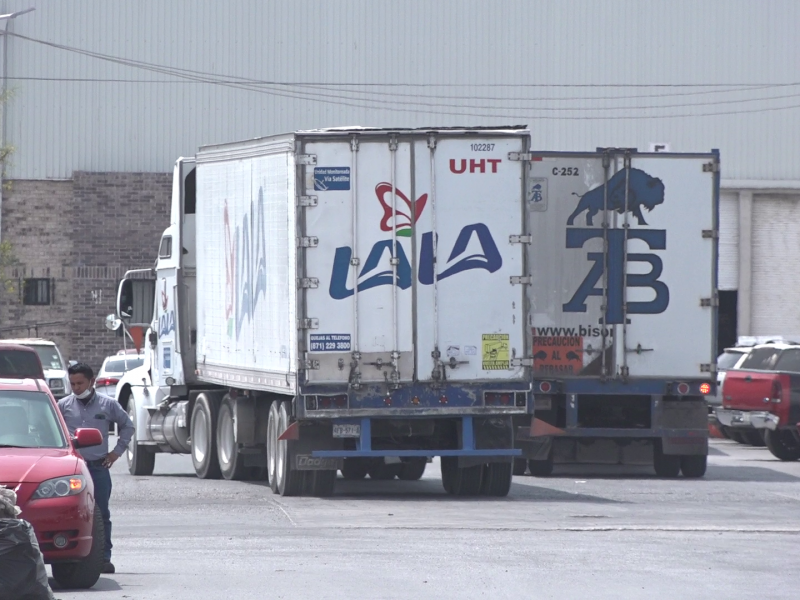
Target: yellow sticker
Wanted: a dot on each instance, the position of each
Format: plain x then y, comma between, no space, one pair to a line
494,351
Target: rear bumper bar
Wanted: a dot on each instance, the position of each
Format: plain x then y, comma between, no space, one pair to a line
745,419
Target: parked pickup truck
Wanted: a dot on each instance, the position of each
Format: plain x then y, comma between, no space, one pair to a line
763,395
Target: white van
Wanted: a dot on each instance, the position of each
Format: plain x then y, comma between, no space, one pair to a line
54,365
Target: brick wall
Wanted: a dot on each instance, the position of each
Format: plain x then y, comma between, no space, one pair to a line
87,232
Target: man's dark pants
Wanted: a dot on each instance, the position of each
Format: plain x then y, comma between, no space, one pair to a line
102,494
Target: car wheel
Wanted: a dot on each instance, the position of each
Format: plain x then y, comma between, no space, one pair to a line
204,439
85,573
694,467
782,444
231,463
141,460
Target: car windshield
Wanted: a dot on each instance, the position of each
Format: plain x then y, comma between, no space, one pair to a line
49,357
28,420
121,365
728,359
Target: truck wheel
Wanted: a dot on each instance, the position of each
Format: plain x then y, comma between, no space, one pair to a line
413,469
520,466
354,469
231,463
289,480
542,468
665,465
85,573
204,439
782,444
322,483
272,446
141,460
694,466
448,464
497,479
467,481
755,438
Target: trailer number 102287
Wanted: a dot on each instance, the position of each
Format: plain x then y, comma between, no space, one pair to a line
481,147
566,171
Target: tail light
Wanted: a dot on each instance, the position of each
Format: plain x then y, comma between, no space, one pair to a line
504,398
328,402
775,396
705,388
106,381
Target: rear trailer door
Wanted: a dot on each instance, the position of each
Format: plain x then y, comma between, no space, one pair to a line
623,293
408,258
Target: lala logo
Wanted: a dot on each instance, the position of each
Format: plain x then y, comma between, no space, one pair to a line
402,222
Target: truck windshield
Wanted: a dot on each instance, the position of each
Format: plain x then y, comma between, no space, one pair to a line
761,359
49,357
27,420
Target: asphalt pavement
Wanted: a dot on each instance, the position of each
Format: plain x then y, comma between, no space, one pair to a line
585,533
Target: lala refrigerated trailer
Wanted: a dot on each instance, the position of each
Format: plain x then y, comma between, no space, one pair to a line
344,299
623,295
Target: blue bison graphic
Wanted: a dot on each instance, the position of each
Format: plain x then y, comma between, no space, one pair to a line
644,191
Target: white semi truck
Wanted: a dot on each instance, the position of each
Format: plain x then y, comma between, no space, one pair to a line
361,300
344,299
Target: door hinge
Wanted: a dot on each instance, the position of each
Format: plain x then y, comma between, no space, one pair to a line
306,201
709,302
521,362
708,368
709,234
308,283
307,242
520,239
308,323
711,167
306,159
520,280
307,365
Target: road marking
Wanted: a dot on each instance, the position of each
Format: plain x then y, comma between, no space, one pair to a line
285,512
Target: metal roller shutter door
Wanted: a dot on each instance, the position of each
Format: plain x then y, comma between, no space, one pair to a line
728,270
776,265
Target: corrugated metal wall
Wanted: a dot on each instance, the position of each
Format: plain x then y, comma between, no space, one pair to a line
475,62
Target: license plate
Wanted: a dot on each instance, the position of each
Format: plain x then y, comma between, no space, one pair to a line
346,430
542,404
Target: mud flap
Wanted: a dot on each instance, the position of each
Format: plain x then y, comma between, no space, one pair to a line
685,414
314,436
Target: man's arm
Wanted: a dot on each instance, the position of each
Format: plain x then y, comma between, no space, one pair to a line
126,429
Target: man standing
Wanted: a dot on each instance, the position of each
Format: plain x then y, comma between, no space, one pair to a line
86,408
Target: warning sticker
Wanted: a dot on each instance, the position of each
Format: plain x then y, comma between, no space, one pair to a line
557,353
494,351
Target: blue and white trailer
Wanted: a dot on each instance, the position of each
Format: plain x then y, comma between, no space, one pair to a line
353,300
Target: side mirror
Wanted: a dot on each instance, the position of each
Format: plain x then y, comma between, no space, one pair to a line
112,323
135,302
86,438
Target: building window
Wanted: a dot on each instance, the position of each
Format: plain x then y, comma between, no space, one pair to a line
37,292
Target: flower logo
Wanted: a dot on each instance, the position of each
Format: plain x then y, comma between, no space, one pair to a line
401,221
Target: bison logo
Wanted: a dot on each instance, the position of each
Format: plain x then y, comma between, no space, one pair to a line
644,191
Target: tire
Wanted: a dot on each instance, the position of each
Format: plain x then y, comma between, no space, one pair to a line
467,481
354,469
204,438
694,467
231,463
273,422
322,483
737,436
497,479
85,573
449,464
782,444
520,466
413,470
665,465
289,481
755,438
141,460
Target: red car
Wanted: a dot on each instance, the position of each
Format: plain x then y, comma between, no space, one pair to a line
39,460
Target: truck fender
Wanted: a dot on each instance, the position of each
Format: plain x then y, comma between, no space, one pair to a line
135,394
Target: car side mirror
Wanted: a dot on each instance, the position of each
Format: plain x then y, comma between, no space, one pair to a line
86,438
